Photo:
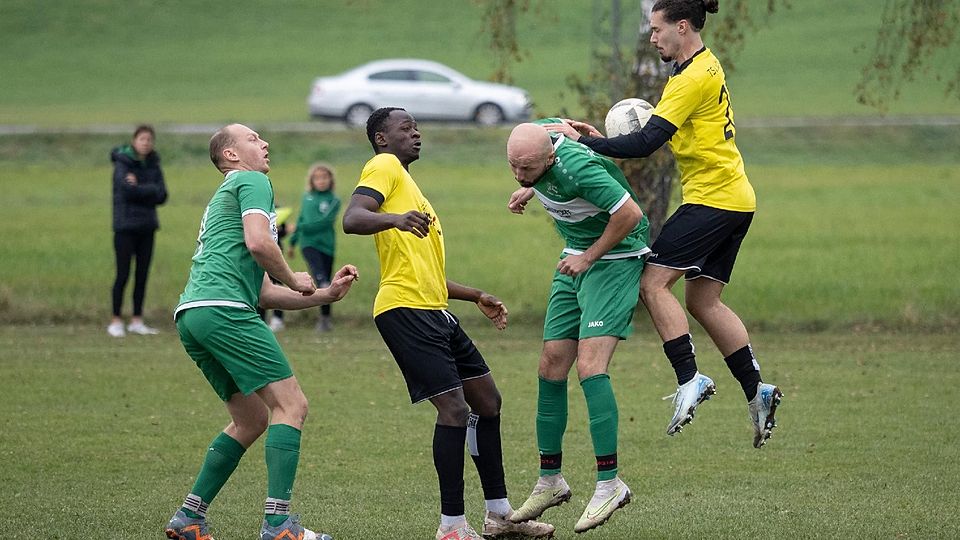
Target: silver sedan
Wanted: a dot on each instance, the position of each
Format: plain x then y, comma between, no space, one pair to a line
427,90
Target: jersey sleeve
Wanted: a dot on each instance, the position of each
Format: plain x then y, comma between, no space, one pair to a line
380,175
595,185
254,193
681,97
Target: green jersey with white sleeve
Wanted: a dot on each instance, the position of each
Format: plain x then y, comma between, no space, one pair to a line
224,273
580,191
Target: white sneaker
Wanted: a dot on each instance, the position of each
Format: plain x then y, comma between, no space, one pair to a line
115,329
141,329
276,324
460,531
762,409
686,398
551,490
609,496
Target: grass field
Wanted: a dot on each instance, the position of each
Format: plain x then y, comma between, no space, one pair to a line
854,227
841,281
845,282
104,61
102,438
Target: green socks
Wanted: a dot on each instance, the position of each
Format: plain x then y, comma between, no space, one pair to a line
604,419
551,423
282,455
222,458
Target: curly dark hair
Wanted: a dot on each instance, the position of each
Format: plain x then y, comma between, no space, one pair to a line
694,11
375,124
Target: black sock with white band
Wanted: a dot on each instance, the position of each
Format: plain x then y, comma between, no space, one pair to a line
744,367
680,352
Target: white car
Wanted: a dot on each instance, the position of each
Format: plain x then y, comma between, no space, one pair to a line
427,90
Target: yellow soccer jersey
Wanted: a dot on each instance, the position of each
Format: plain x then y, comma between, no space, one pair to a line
696,100
412,269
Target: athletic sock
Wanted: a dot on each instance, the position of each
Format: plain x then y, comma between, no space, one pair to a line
282,452
448,459
744,367
604,419
551,423
450,521
221,460
500,507
483,441
680,352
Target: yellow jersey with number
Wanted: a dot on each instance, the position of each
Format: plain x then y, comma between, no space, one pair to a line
412,269
697,102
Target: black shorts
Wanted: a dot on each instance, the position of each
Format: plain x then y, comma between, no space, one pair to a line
701,240
434,354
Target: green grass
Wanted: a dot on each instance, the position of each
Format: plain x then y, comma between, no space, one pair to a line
854,227
106,61
103,437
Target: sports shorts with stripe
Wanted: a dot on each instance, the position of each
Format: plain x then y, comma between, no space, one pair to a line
702,241
233,347
433,352
598,302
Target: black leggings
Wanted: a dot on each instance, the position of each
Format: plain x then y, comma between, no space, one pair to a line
321,268
127,245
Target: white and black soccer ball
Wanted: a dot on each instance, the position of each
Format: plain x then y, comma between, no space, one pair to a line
627,116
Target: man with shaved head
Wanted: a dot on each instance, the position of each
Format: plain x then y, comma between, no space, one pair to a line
595,290
220,329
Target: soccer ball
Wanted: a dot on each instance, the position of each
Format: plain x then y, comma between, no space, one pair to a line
627,116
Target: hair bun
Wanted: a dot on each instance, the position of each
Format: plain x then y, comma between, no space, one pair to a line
711,6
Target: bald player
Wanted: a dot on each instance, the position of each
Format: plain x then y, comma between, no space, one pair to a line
594,292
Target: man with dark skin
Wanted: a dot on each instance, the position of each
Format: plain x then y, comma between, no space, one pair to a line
439,362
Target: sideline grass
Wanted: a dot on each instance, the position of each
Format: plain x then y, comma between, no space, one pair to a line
850,230
102,438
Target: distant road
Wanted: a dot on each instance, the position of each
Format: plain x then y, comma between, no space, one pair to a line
334,126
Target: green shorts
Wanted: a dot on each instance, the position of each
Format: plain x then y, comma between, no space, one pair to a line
233,348
599,302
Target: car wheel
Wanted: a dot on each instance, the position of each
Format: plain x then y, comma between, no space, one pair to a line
357,115
488,114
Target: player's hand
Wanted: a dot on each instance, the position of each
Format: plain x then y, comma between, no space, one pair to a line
414,222
493,308
519,200
565,128
342,281
130,178
303,283
584,128
574,265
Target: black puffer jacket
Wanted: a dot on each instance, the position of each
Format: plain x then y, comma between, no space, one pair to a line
135,206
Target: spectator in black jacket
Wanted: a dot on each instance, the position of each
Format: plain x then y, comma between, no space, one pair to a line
138,188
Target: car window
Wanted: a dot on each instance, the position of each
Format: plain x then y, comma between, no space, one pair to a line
393,75
430,76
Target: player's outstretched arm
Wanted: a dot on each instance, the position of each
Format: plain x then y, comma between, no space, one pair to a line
264,249
273,296
573,129
490,305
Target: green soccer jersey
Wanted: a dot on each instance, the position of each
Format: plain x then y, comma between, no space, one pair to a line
224,273
580,191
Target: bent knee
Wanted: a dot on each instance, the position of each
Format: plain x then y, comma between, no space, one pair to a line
489,405
453,413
